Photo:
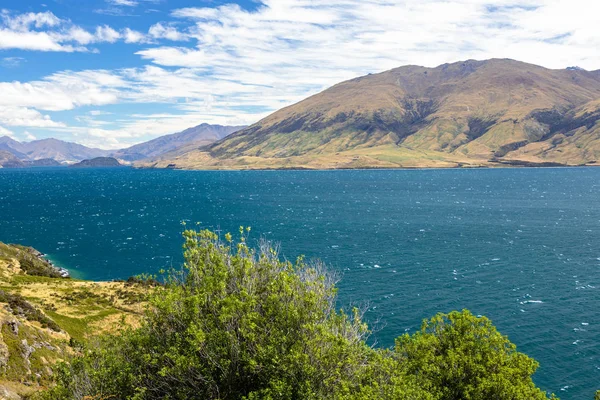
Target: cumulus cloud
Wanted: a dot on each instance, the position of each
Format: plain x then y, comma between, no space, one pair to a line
23,22
160,31
131,36
6,132
107,34
46,32
22,116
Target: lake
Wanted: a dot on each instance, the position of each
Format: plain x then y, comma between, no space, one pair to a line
520,246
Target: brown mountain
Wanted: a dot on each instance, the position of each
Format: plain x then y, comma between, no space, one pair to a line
471,113
195,137
98,162
9,160
55,149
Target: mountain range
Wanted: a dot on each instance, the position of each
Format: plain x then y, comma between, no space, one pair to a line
469,113
49,149
51,152
198,136
465,114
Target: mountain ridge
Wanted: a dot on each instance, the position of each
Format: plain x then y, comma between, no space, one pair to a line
469,113
50,148
30,153
199,135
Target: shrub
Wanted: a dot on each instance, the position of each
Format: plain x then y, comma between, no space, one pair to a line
242,324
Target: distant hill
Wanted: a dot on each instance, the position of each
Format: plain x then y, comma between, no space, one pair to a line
98,162
9,160
43,162
66,152
197,136
55,149
470,113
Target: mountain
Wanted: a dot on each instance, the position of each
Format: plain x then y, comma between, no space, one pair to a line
43,162
197,136
470,113
55,149
9,160
98,162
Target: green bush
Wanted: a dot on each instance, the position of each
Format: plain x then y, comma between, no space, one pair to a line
242,324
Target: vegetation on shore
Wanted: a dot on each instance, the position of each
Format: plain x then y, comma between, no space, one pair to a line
238,323
45,318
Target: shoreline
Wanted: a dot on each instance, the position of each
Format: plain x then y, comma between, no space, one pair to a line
378,168
64,273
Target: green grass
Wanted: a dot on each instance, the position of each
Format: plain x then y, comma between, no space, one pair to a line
79,328
17,366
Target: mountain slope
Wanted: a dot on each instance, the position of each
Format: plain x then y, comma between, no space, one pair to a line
9,160
55,149
44,318
97,162
467,113
197,136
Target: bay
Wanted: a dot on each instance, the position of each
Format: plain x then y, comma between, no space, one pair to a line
520,246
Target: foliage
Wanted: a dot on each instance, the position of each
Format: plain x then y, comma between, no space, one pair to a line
237,323
461,356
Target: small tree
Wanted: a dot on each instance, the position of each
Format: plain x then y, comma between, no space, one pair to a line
235,323
460,356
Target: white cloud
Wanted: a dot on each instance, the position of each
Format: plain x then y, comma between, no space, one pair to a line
132,36
80,35
6,132
107,34
160,31
29,136
46,32
40,41
12,62
62,91
23,22
126,3
22,116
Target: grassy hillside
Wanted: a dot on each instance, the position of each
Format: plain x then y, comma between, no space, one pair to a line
44,318
472,113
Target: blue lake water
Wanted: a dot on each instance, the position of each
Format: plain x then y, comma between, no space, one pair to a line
520,246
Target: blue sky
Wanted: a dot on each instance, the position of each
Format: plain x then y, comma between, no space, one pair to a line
112,73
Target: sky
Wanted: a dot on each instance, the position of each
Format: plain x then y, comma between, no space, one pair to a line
113,73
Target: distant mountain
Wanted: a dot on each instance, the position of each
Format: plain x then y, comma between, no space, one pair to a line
12,146
98,162
470,113
9,160
197,136
55,149
43,162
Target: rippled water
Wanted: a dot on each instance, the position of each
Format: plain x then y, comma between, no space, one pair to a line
520,246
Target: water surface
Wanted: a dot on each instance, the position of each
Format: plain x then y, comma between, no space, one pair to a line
517,245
